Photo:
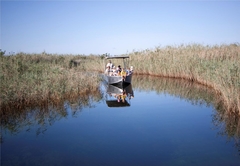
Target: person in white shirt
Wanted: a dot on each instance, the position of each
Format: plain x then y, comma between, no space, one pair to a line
108,71
110,64
131,69
114,71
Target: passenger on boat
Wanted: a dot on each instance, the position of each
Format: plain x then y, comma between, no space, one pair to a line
131,69
128,71
110,64
114,71
119,69
123,74
108,71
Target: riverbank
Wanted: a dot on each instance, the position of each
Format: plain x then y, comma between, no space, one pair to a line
29,78
217,67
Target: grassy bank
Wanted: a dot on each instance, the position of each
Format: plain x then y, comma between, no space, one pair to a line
33,78
215,66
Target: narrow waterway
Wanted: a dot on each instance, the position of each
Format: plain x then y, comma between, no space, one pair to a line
160,122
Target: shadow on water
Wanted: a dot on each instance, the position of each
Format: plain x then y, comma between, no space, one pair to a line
14,119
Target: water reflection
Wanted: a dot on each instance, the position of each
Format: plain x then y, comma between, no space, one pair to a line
226,124
15,119
39,116
118,96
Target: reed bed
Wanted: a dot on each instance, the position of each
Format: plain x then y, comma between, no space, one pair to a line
214,66
39,76
32,78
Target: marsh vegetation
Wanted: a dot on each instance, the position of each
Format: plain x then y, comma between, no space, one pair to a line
31,78
214,66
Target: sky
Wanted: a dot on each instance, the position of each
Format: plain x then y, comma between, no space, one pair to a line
115,27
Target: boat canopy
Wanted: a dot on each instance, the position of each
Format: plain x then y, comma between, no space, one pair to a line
117,57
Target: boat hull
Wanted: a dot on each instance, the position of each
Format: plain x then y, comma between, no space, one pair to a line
118,79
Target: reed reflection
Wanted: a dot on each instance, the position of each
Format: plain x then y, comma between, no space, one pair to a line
40,116
226,123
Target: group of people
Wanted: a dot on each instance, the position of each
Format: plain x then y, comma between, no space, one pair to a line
113,71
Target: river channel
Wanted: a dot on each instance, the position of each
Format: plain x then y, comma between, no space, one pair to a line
160,122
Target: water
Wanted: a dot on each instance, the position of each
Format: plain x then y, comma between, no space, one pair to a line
167,122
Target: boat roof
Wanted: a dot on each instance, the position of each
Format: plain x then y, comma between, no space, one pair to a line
117,57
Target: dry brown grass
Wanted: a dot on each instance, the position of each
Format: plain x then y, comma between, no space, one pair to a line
27,79
216,66
49,76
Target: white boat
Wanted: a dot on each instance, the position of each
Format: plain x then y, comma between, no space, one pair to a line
113,78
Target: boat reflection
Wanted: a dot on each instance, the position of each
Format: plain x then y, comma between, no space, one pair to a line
118,96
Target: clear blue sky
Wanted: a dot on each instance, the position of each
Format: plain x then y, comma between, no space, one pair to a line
115,27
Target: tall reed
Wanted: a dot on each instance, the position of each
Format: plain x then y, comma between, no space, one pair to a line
215,66
46,75
30,78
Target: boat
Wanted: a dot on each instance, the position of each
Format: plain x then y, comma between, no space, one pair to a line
113,78
114,95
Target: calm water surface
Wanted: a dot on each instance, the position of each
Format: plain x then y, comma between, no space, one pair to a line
166,123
